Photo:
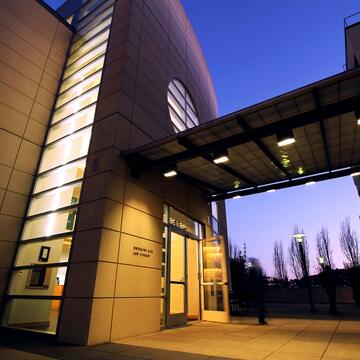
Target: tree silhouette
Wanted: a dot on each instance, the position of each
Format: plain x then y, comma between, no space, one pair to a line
298,265
349,243
279,262
323,247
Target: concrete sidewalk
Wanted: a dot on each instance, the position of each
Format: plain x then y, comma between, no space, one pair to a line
319,337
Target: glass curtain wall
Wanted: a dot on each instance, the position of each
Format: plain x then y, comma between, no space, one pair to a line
38,278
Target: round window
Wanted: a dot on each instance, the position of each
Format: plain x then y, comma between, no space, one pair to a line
183,114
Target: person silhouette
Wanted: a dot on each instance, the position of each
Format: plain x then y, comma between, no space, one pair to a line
257,286
329,282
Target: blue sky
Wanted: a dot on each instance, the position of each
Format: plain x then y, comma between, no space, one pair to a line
259,49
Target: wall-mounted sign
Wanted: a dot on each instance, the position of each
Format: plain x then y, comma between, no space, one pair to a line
140,252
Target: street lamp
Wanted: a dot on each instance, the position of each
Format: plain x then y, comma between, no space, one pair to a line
321,262
299,239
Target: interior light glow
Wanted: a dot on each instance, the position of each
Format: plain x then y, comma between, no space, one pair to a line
170,173
309,183
221,157
285,137
355,174
271,190
357,116
285,142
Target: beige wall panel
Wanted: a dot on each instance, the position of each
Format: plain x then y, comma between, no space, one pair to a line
49,83
140,252
15,99
10,227
11,120
105,279
7,253
26,32
135,317
103,185
4,276
20,63
22,47
35,132
135,281
99,244
53,68
2,195
140,224
142,199
178,198
108,159
75,321
45,98
5,173
14,204
81,280
17,80
40,113
28,157
9,146
100,323
101,213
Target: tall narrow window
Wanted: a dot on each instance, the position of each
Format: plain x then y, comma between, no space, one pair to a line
39,273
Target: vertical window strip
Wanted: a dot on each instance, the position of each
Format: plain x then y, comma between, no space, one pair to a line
53,213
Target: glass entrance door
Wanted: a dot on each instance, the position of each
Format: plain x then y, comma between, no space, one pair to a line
177,281
214,284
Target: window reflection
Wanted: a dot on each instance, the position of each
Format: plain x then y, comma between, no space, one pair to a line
51,224
44,252
58,177
181,107
66,150
75,105
32,314
55,199
71,124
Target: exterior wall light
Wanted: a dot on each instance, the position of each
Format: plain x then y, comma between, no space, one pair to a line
285,137
309,183
221,157
355,174
170,172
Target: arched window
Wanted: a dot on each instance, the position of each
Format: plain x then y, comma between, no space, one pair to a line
182,110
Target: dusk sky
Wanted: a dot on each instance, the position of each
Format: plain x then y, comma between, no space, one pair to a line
256,50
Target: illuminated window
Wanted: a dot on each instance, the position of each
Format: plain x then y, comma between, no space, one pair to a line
39,274
181,107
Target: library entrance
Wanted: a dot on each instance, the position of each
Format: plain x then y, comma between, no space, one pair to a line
194,282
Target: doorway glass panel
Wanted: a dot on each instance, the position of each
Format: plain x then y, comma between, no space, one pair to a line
177,274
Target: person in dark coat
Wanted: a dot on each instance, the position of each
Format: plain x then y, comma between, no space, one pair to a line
257,286
329,282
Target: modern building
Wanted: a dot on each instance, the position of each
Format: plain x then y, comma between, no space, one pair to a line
89,250
114,168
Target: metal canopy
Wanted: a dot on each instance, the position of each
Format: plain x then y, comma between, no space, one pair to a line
320,115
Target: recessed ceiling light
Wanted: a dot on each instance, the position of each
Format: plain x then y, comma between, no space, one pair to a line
271,190
285,137
310,183
236,197
221,157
